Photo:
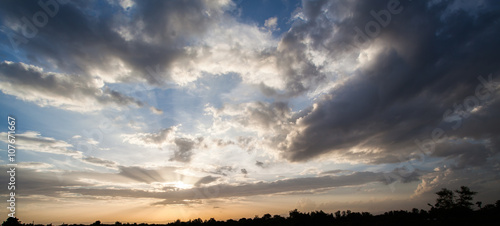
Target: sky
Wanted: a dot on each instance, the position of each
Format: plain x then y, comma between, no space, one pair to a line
152,111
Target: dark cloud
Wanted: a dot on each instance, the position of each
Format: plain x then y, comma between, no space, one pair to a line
337,171
184,151
205,180
244,171
465,154
30,182
428,61
99,161
259,164
403,174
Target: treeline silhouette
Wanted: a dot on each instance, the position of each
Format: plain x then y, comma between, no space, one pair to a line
451,208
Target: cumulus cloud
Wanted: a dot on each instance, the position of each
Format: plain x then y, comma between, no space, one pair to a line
193,39
270,120
401,91
384,95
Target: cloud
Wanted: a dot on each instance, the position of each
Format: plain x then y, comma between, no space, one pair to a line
69,92
131,46
169,137
194,39
337,171
271,119
242,190
158,139
156,110
477,178
205,180
271,23
58,183
120,47
400,91
37,166
33,182
222,170
99,162
34,141
465,153
183,153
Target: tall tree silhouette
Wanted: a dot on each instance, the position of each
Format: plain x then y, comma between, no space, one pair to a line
445,199
465,196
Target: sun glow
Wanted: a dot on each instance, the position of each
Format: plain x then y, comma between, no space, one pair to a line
181,185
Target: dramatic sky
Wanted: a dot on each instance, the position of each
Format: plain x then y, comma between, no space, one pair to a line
150,111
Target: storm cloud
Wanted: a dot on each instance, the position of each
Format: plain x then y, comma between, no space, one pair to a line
419,71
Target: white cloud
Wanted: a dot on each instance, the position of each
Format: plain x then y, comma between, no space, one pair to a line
271,23
156,110
163,137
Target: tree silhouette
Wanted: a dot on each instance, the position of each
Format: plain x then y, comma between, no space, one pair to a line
445,199
465,196
11,221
